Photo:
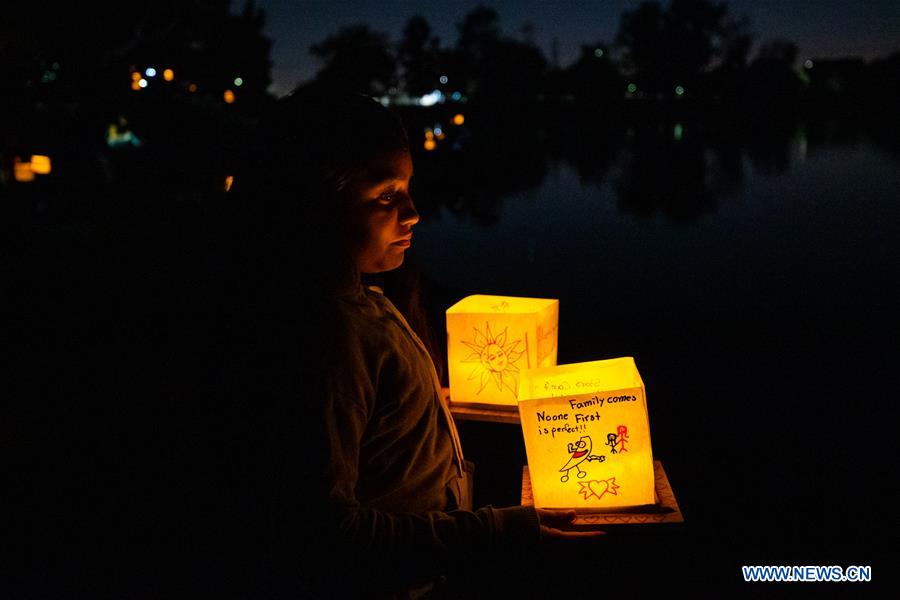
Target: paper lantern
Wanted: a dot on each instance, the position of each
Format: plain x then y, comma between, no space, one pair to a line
587,435
492,340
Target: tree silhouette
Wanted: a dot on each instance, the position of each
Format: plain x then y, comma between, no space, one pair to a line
357,58
666,48
419,56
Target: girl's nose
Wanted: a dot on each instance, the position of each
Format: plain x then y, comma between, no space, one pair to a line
407,212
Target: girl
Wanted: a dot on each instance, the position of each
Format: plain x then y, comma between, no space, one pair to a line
373,495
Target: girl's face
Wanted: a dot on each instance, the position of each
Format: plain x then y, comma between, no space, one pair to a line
382,213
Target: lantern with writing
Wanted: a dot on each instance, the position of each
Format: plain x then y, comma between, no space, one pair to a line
587,435
491,340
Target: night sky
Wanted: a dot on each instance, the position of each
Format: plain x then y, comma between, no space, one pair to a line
821,28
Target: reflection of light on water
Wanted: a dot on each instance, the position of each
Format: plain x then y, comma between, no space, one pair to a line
801,146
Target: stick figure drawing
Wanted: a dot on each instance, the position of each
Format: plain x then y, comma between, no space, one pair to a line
580,451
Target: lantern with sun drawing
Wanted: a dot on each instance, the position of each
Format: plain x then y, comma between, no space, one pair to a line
491,340
587,435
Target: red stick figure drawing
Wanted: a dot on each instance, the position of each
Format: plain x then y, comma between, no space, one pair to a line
622,435
598,488
580,451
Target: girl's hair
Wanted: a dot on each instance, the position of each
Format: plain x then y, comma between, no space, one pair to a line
291,197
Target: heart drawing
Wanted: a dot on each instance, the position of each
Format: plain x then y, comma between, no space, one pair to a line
598,488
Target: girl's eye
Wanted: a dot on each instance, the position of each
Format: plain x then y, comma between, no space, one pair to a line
387,198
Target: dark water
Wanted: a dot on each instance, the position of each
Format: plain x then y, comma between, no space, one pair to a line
764,328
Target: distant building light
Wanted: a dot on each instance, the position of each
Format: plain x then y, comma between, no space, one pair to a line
598,52
444,79
142,83
192,88
430,145
150,72
458,119
228,181
238,81
808,64
455,96
632,88
22,171
228,96
40,164
168,74
679,90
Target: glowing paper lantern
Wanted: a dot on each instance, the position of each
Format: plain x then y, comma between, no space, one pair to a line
587,435
492,340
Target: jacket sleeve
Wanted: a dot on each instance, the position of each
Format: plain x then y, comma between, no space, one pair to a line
322,527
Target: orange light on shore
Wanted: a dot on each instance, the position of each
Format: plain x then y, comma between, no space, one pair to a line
430,145
458,119
229,97
22,171
136,86
135,76
168,74
40,164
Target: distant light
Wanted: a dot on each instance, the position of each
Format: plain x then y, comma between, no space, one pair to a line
429,134
431,99
441,135
135,85
598,52
22,171
444,79
150,72
168,74
40,164
228,181
458,119
438,130
455,96
192,88
632,88
678,132
430,145
229,97
808,64
679,90
238,81
135,76
142,83
55,66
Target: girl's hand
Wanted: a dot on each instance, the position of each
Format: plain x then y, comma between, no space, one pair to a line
551,520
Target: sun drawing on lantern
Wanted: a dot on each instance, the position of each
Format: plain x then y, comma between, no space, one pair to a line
496,360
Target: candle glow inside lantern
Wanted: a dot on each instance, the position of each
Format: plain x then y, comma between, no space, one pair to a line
491,340
587,435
